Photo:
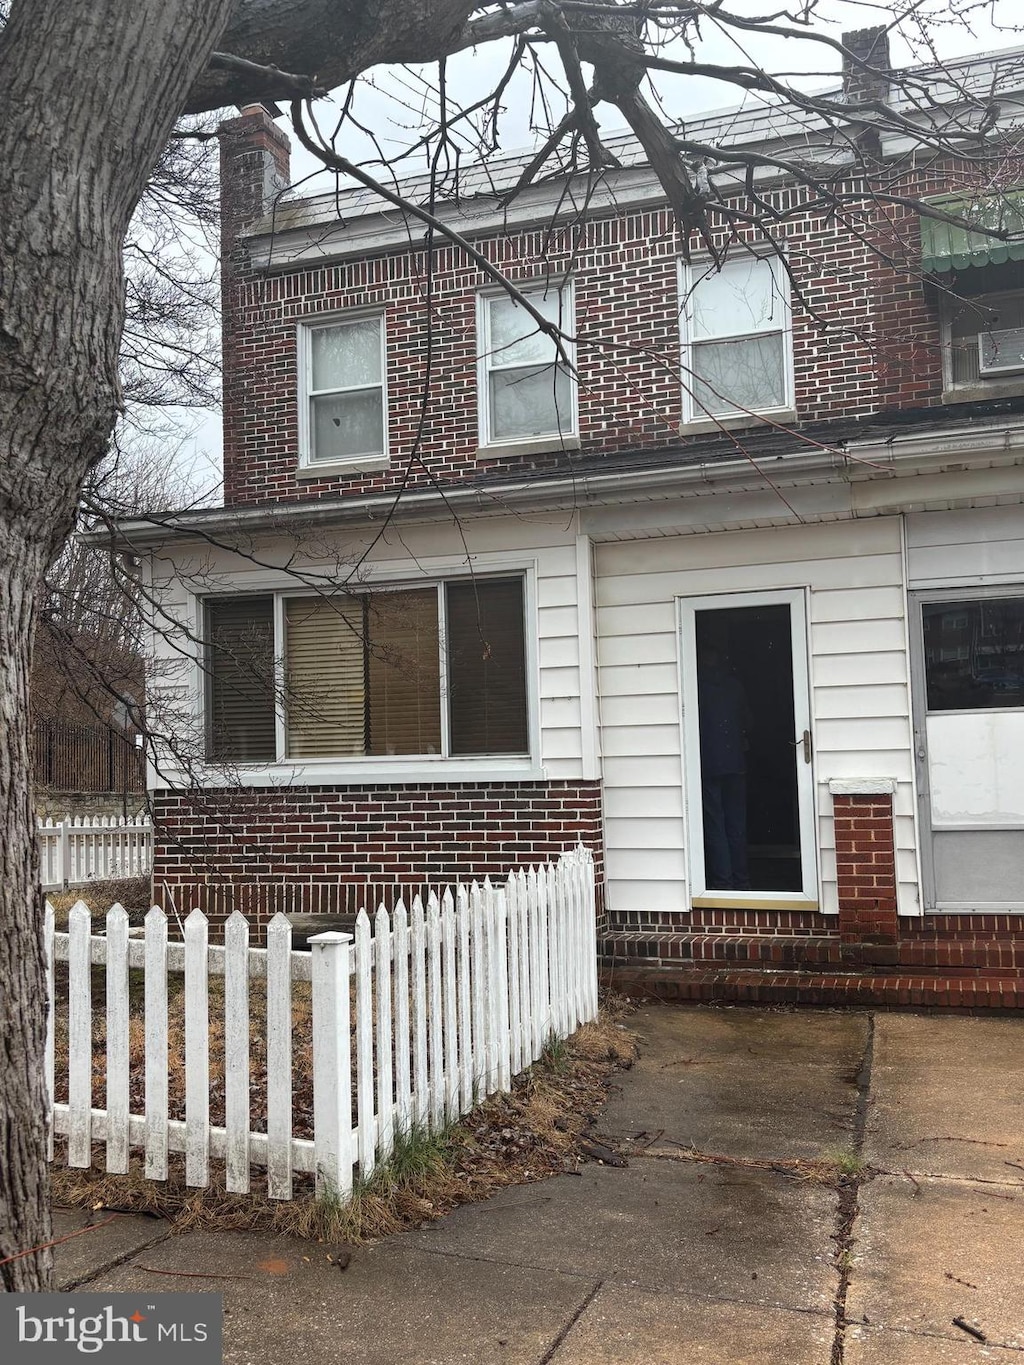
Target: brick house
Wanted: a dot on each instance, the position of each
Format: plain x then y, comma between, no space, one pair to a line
740,605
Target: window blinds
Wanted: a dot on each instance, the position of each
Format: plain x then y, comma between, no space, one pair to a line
240,680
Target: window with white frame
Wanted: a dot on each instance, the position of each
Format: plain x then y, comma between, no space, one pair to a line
343,391
435,670
526,390
736,338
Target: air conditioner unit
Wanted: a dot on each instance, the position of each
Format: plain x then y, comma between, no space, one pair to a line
1001,352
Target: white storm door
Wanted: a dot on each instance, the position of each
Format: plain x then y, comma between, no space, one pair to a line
969,730
748,750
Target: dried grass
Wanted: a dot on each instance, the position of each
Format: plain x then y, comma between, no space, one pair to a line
527,1135
134,893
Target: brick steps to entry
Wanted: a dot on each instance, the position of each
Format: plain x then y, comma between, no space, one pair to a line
927,954
894,989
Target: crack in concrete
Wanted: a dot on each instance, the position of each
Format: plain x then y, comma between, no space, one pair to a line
564,1332
667,1290
908,1174
116,1261
921,1332
849,1196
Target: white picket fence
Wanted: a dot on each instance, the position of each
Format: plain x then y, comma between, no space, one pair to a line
413,1023
83,849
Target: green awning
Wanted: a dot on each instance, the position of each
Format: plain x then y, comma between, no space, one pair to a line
945,247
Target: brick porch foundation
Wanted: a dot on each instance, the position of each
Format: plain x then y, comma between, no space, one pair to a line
331,850
865,955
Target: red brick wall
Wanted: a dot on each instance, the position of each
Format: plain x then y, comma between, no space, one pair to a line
330,850
865,338
866,869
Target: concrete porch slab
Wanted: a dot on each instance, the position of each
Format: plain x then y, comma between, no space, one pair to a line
745,1082
924,1255
718,1231
624,1326
947,1099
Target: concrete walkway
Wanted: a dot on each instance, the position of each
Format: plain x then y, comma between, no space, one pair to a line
719,1242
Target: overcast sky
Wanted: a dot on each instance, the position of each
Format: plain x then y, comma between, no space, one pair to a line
398,105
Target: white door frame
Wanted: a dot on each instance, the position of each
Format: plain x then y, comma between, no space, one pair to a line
807,898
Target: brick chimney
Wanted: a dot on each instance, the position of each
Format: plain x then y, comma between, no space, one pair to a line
254,168
869,45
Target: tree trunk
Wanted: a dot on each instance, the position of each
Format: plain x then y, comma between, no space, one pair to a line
88,94
24,1212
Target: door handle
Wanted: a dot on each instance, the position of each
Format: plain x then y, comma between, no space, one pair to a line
805,741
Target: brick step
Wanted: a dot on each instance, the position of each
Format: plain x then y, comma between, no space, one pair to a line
991,956
896,989
771,949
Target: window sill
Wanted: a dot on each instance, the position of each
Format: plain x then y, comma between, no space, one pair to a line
740,421
532,446
986,391
333,469
383,771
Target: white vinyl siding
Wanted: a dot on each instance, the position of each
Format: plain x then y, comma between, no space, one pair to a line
976,548
859,685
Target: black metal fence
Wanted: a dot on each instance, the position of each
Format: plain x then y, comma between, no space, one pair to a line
86,758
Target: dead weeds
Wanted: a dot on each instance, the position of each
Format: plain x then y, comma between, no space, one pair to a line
533,1132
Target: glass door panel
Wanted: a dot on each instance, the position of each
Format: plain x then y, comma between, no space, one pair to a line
748,751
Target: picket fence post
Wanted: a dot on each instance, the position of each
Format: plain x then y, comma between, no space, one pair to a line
434,1014
156,1044
382,942
118,1054
450,1098
197,1050
403,1067
332,1064
364,1046
237,1108
279,1058
50,1053
79,1036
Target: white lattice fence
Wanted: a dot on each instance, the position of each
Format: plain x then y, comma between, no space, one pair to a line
414,1020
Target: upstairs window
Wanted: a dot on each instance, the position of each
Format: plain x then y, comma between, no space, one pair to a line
428,671
984,341
736,338
343,397
526,391
980,284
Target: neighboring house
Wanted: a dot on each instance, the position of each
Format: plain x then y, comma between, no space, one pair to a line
742,607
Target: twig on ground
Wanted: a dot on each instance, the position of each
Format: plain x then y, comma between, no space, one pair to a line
189,1274
58,1240
971,1331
